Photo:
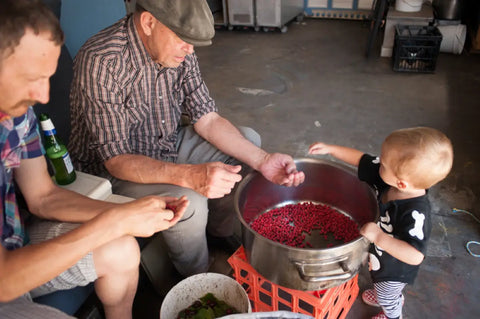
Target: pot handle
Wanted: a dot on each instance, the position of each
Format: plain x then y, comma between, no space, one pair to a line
300,265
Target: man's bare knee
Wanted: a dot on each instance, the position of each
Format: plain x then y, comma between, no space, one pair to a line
120,255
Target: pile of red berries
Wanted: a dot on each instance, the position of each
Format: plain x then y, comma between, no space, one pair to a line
289,224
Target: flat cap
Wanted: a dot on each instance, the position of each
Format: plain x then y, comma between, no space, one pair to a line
191,20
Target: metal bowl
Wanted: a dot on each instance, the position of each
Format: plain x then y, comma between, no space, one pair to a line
314,268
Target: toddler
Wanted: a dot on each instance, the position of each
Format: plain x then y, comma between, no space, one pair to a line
412,160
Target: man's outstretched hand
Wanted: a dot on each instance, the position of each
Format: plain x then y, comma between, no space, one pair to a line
281,169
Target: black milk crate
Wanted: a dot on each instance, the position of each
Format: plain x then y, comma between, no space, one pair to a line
416,48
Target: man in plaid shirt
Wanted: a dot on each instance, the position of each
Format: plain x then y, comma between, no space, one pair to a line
132,83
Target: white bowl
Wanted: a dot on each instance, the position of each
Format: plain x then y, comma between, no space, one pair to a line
224,288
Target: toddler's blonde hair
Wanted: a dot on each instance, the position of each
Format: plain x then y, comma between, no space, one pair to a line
423,156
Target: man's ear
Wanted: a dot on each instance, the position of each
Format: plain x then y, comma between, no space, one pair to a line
147,22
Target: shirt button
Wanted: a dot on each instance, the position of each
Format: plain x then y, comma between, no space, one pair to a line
160,97
163,121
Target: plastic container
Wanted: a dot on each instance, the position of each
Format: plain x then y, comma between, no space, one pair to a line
183,294
269,315
408,5
265,296
416,48
453,38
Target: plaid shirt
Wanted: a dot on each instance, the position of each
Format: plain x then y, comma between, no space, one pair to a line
19,139
122,102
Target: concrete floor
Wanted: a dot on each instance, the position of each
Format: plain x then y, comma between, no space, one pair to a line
313,83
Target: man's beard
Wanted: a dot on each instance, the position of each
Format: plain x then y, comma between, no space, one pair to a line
21,107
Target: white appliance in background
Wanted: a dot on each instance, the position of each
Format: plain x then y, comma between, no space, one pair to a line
241,13
277,13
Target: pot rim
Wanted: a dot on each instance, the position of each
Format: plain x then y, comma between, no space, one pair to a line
340,166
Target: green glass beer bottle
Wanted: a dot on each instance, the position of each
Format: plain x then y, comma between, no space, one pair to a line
57,153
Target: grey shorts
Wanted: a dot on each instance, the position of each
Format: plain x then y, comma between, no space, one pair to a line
81,274
24,308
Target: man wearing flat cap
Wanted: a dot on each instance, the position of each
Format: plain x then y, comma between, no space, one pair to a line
132,83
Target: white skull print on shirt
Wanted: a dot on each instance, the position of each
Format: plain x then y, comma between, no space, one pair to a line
387,227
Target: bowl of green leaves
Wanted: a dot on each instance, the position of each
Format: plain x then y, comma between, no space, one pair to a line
205,296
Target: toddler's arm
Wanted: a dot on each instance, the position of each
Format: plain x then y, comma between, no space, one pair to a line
346,154
395,247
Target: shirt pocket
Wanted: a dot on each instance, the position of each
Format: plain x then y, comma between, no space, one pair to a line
136,110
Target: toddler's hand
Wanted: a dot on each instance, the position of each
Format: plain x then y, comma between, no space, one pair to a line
370,231
319,148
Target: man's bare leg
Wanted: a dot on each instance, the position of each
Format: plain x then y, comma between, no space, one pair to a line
117,266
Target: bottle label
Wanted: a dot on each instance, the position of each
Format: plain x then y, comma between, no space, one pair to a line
47,125
68,162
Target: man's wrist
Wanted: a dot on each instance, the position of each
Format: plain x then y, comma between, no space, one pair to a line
260,159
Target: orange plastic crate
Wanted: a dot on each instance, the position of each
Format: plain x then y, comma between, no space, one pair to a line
332,303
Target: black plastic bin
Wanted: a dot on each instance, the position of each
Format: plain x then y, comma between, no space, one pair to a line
416,48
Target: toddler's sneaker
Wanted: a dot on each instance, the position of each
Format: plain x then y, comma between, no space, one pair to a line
381,315
370,298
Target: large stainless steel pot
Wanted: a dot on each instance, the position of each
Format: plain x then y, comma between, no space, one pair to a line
306,268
